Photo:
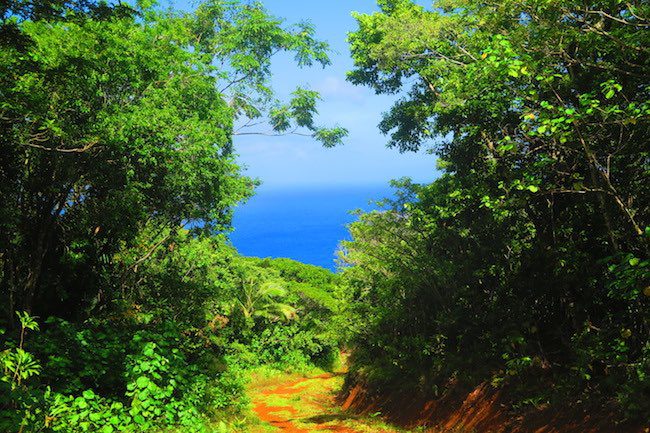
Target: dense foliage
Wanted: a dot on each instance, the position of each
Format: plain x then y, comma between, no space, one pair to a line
150,365
118,180
527,261
124,306
113,119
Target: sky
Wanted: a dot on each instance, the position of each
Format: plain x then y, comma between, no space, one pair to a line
364,159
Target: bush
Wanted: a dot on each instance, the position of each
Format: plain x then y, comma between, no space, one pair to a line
161,384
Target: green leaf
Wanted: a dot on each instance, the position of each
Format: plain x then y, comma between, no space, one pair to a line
142,381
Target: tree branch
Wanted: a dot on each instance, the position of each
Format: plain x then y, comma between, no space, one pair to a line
62,150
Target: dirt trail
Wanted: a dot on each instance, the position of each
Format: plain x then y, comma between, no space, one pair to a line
296,404
293,404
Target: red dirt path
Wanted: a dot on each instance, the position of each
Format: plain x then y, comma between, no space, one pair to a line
285,417
308,405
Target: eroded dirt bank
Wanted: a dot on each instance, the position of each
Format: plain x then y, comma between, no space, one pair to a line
481,410
292,403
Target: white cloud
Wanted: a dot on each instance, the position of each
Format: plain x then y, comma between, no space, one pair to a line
335,87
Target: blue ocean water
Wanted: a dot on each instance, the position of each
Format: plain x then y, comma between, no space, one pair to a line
304,224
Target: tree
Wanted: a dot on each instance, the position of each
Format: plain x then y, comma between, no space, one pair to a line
531,250
550,97
262,299
114,118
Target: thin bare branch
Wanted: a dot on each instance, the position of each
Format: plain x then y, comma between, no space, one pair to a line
62,149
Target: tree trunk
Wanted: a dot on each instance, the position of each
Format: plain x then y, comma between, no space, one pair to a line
8,287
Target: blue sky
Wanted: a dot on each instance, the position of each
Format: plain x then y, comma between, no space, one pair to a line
293,161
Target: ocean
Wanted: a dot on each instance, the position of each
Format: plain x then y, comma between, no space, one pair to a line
304,224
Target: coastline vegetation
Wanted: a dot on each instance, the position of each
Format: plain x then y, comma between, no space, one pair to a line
524,265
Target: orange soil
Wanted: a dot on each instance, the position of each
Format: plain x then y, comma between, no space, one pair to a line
276,416
482,410
284,418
